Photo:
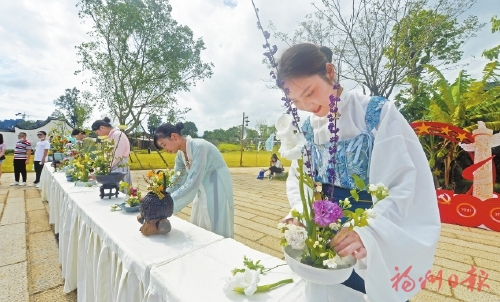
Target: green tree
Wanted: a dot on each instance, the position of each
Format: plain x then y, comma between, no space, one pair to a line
154,121
73,108
264,130
422,37
492,54
369,35
139,57
215,136
190,129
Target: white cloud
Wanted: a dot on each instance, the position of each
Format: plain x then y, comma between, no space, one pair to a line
38,58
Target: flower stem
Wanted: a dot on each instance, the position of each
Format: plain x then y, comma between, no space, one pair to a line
268,269
301,189
263,288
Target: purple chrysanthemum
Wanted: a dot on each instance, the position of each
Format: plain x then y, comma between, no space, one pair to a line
326,212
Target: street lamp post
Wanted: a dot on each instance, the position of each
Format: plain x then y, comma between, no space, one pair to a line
244,123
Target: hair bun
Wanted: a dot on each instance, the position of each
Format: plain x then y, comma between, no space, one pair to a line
106,119
327,52
179,126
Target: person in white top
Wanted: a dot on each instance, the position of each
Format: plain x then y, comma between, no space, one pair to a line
41,151
275,166
376,143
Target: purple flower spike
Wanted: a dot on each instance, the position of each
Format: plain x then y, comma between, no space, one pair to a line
336,86
326,212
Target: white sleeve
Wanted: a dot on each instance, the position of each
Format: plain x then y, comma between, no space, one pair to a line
406,229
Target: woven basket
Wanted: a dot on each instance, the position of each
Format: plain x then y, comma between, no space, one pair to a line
154,208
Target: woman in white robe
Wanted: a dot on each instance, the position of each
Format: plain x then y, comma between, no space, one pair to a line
204,179
406,229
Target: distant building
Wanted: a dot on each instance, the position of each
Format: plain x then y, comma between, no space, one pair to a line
10,129
9,124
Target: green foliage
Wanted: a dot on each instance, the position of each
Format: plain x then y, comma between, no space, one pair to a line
139,57
463,103
425,37
381,44
231,135
492,54
190,129
73,108
154,121
466,101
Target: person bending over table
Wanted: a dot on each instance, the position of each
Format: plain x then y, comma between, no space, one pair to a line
203,179
376,143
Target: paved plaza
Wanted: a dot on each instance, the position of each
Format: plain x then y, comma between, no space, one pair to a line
30,270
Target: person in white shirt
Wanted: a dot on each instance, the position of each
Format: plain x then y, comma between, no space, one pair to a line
41,151
275,166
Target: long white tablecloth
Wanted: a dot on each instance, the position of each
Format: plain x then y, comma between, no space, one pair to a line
103,253
105,256
199,276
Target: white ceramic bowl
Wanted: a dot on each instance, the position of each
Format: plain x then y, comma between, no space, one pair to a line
317,275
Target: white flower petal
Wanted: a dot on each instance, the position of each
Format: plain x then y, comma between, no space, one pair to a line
330,263
283,122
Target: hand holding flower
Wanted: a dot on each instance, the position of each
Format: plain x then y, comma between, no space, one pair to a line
347,242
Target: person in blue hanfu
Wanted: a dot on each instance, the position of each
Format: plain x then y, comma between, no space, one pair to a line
204,179
376,143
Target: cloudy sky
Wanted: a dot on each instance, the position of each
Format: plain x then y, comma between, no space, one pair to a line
38,58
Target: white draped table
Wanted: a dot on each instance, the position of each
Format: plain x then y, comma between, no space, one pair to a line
105,256
103,253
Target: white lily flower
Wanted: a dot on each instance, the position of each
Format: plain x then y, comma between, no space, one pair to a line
282,225
292,149
283,122
330,263
247,280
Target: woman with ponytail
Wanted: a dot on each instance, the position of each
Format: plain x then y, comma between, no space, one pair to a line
122,146
204,180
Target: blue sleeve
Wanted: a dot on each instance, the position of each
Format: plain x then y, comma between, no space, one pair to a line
186,193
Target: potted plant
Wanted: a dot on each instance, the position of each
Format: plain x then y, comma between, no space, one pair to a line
105,161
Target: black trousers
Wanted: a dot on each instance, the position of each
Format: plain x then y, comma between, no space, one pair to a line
38,171
20,169
275,170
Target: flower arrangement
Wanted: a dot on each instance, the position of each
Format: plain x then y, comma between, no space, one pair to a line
82,164
59,137
157,180
245,280
59,143
323,217
104,156
133,194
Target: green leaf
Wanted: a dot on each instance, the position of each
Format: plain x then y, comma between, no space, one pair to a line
354,194
359,182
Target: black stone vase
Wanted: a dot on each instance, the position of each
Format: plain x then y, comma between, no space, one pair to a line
110,182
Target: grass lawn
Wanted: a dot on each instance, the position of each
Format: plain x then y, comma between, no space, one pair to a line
153,161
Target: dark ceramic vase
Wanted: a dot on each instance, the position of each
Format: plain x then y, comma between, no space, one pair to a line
112,178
